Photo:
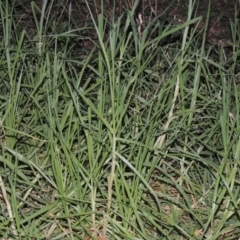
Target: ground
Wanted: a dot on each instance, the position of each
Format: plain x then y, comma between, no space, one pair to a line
175,11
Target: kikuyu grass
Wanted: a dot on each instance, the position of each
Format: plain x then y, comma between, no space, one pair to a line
110,146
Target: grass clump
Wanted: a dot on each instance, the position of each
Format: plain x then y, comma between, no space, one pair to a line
136,138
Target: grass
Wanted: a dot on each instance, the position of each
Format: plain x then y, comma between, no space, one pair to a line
136,139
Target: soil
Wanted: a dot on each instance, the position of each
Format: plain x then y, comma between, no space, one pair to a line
222,12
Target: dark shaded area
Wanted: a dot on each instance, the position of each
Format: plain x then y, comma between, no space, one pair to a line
221,13
175,11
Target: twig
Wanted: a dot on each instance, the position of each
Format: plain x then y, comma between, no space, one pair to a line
9,209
